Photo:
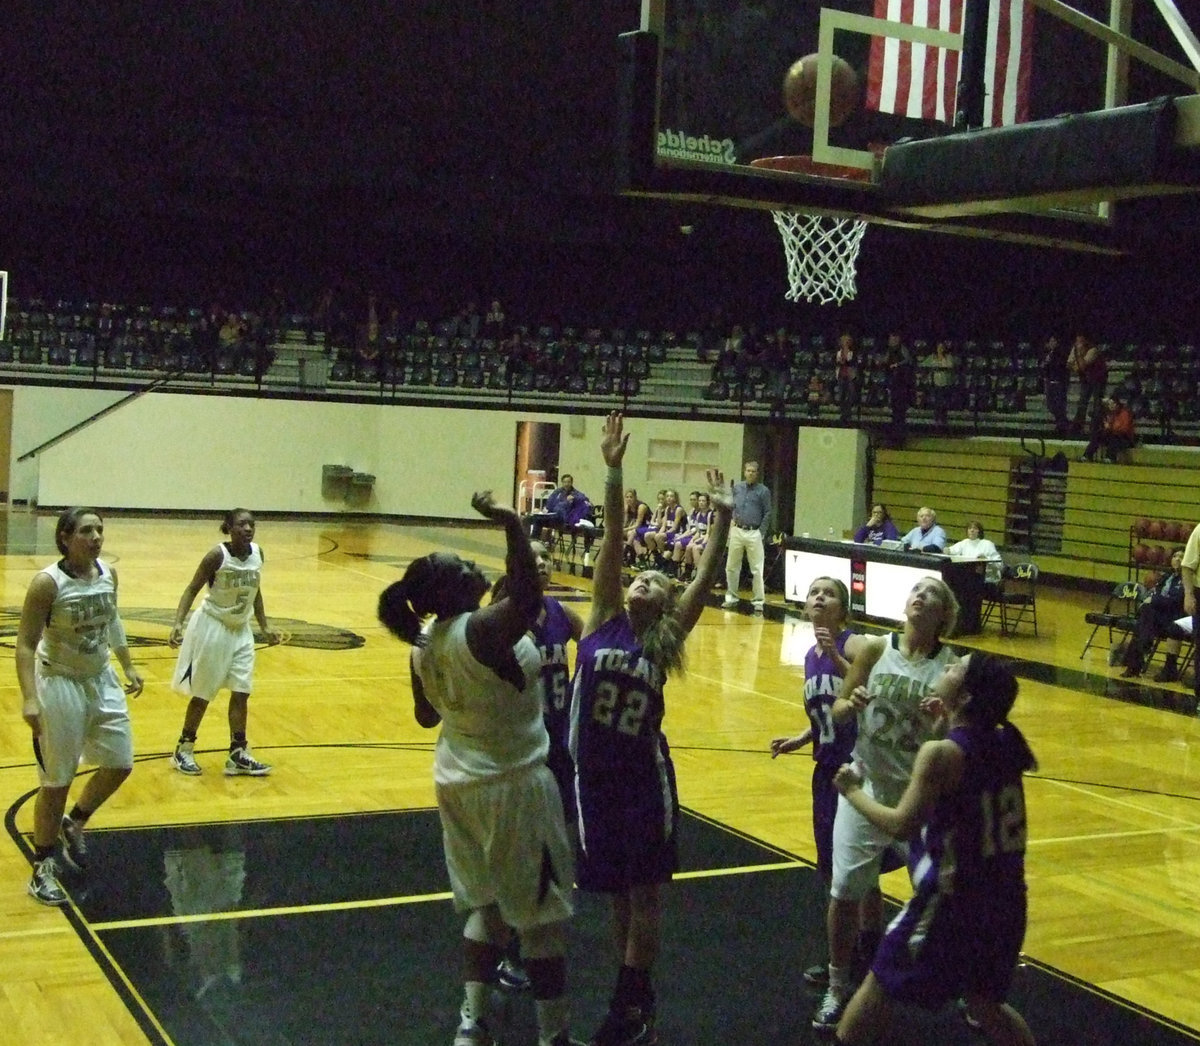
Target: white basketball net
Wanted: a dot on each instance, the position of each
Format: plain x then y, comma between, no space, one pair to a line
821,255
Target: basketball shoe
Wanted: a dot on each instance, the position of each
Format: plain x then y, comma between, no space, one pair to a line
242,763
184,759
74,848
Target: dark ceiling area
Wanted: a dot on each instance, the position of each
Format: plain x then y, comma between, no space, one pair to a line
439,153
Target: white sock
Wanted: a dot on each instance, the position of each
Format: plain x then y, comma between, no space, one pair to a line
840,980
475,1002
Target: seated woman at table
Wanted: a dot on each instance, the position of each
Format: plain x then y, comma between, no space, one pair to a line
976,546
878,528
926,536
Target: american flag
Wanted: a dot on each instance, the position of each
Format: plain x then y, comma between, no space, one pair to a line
920,81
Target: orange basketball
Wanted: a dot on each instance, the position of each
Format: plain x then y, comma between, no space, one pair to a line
1141,555
800,91
1141,527
1156,530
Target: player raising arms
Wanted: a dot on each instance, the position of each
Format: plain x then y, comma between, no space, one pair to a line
476,673
625,781
885,688
964,810
825,665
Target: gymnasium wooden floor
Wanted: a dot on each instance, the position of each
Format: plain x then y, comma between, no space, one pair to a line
1114,856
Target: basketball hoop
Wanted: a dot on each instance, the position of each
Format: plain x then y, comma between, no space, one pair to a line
821,250
822,255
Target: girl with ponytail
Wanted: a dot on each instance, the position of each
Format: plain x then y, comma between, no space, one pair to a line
964,812
477,673
624,779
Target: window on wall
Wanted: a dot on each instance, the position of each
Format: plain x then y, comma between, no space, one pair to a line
681,462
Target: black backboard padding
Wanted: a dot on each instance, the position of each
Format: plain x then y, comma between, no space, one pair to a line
1129,146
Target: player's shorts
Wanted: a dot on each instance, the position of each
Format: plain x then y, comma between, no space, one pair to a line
859,849
629,836
506,844
214,657
84,719
942,947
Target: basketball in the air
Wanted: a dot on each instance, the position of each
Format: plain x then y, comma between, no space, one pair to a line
800,91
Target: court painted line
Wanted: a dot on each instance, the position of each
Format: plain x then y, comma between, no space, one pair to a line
41,931
378,902
1111,800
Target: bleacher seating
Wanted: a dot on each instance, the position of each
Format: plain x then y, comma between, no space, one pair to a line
996,389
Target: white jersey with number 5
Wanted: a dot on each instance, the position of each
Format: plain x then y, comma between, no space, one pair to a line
235,585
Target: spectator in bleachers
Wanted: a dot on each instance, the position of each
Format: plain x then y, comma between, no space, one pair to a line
1156,618
495,322
1088,361
1117,432
847,364
943,365
731,357
878,528
927,535
1056,376
901,372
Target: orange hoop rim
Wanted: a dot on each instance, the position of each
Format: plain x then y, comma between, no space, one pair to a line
804,164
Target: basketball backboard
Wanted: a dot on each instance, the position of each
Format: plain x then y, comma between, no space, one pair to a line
702,100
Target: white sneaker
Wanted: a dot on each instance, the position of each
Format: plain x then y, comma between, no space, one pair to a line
242,763
184,759
44,886
474,1033
730,602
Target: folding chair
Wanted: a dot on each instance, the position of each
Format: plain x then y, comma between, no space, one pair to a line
1118,616
1016,597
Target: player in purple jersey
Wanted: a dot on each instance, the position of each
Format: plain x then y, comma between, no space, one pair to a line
825,664
625,782
964,809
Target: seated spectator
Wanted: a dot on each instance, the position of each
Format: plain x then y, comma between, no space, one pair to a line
926,536
652,524
878,528
1157,615
976,546
565,507
1116,433
637,515
674,522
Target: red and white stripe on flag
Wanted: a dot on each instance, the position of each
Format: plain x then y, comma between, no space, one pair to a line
916,80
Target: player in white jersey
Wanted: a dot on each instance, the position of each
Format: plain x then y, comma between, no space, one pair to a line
887,688
217,649
70,696
477,673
